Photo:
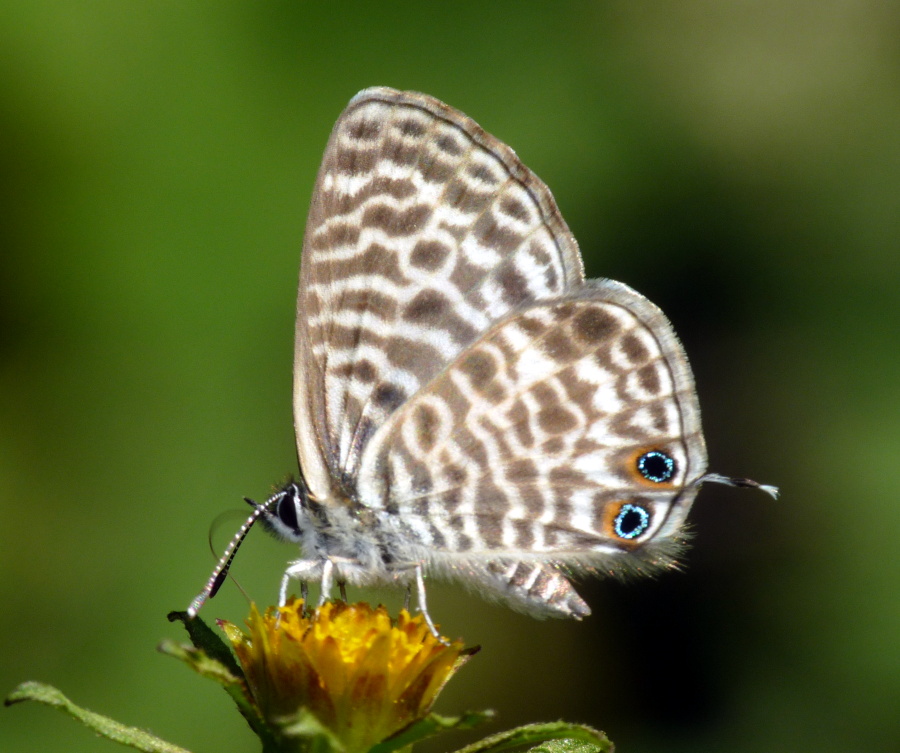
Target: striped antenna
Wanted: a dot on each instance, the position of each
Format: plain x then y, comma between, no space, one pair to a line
221,570
746,483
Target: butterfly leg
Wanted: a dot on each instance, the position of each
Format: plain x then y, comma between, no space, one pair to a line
407,597
303,571
282,591
423,606
342,589
327,582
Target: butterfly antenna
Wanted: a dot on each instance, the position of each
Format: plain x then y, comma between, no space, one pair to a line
221,570
740,482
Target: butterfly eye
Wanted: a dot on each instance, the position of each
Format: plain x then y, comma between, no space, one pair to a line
631,522
286,511
656,466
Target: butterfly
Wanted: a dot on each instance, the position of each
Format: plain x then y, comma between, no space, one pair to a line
466,404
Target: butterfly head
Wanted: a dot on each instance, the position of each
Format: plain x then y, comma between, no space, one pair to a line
285,514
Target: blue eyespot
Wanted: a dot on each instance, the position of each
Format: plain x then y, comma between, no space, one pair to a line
656,466
631,522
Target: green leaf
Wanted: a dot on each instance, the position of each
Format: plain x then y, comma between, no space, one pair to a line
317,737
568,745
208,640
202,664
428,727
102,725
582,738
206,666
211,657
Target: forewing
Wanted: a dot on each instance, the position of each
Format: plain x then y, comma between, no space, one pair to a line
423,231
526,446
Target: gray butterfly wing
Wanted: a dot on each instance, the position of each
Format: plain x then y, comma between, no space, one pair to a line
526,448
423,231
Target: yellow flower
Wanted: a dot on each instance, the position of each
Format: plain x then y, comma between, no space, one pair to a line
361,675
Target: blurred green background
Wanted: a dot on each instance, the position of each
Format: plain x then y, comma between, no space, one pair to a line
738,163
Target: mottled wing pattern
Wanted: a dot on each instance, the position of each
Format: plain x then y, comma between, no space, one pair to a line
423,232
525,448
465,403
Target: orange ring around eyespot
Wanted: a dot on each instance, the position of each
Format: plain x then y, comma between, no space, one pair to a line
635,474
610,513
